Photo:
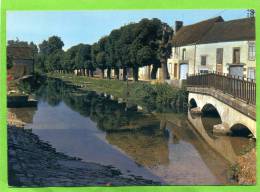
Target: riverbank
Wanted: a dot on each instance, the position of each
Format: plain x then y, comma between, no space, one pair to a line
34,163
141,93
244,171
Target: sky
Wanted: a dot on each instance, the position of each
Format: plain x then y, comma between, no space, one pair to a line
76,27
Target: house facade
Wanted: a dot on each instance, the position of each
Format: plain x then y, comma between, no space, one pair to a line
22,61
214,45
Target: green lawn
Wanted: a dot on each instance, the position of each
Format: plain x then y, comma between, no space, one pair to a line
143,93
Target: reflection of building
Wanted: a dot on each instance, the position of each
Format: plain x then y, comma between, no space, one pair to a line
23,115
214,45
22,60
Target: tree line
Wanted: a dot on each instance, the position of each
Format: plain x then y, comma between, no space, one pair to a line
130,47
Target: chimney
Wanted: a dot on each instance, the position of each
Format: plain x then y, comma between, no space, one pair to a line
178,25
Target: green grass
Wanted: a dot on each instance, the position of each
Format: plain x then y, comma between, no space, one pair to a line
150,96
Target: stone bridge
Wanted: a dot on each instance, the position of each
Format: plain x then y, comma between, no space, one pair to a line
236,115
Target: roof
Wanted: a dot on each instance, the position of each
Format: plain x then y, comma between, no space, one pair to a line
234,30
193,33
215,30
19,52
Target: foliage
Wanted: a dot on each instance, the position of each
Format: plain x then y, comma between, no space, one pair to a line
152,97
9,63
131,46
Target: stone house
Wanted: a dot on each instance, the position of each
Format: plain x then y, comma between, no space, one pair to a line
22,61
214,45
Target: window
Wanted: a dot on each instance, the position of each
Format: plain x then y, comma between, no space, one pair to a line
219,56
251,73
203,60
176,50
183,54
170,67
236,55
251,51
203,71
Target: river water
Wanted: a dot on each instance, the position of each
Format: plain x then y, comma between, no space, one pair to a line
164,147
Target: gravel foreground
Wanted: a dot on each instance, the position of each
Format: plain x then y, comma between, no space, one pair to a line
34,163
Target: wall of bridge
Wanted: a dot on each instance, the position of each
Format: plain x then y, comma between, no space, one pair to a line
229,116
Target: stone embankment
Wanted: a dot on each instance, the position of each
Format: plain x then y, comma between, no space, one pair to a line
34,163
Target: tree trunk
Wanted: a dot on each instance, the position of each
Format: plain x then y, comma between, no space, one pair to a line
109,73
117,73
102,73
135,73
164,71
148,72
88,72
154,72
91,73
124,74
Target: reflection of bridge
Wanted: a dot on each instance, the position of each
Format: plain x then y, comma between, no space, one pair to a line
223,145
233,98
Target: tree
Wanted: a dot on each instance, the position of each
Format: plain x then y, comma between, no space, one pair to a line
165,49
101,62
83,58
17,43
55,43
50,51
55,60
9,62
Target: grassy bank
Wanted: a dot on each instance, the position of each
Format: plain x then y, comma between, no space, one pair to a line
244,170
151,96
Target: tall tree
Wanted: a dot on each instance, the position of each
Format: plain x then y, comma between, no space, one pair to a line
165,50
48,50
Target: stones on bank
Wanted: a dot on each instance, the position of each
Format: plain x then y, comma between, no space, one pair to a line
34,163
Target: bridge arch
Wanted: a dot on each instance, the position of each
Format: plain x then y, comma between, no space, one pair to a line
192,103
209,110
239,129
229,115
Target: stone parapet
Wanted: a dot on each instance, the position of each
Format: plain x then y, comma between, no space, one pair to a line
239,105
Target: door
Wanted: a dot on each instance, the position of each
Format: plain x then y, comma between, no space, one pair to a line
219,60
236,55
236,71
183,71
175,70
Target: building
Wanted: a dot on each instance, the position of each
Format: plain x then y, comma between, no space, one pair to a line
214,45
22,61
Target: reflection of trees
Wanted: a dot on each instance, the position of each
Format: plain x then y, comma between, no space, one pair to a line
51,91
137,133
148,147
108,114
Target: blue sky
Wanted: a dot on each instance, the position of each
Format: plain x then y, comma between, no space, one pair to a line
88,26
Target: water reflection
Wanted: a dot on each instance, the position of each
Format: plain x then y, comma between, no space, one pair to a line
163,147
25,114
148,148
229,147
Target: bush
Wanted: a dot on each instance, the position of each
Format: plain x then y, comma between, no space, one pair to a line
156,96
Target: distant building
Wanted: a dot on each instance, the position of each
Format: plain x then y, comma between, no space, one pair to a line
214,45
22,60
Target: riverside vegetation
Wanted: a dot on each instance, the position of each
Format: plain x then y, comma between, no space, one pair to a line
159,97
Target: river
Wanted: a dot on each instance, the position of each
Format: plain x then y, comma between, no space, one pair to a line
163,147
